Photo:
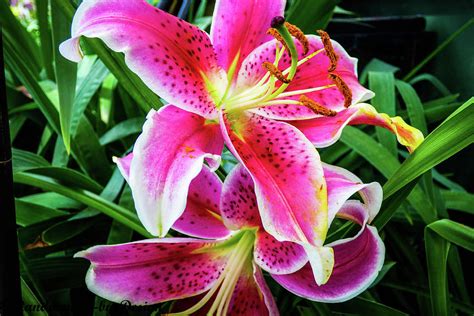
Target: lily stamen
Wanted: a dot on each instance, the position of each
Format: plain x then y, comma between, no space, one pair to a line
273,32
299,35
333,58
316,107
343,88
274,71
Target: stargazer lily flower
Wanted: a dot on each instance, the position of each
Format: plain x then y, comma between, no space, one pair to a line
239,86
224,273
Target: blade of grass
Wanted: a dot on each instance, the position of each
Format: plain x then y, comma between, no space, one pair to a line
460,201
317,14
88,198
434,81
454,134
440,48
46,41
121,130
66,72
437,249
14,31
383,85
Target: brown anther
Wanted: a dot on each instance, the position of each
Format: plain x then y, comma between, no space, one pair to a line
275,72
343,88
273,32
299,35
316,107
329,50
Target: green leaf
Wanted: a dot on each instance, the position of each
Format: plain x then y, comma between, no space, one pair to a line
443,101
362,306
438,49
51,199
317,14
89,152
376,65
24,160
46,137
110,193
414,106
437,249
122,129
19,37
456,233
86,89
46,41
106,98
60,156
16,62
65,230
68,177
447,182
65,73
86,197
434,81
119,234
16,123
454,134
32,306
383,85
460,201
29,213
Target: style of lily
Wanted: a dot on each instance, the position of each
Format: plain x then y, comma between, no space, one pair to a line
222,274
270,98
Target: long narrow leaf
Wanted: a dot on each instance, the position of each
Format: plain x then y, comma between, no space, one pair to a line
66,72
93,200
456,133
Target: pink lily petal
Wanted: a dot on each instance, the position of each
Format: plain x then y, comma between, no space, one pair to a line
167,156
342,184
358,261
252,296
289,183
239,210
238,202
202,217
240,26
288,176
278,257
152,271
325,131
168,54
123,164
311,74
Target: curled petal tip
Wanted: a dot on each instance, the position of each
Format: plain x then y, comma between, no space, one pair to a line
71,50
321,260
80,254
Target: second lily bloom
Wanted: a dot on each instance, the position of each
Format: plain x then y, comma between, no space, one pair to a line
216,273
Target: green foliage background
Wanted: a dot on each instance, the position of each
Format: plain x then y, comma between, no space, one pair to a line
68,120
